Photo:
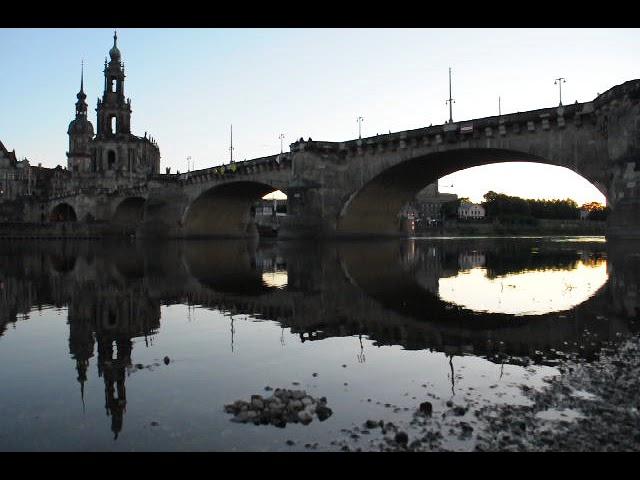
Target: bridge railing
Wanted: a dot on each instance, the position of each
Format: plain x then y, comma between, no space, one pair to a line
240,167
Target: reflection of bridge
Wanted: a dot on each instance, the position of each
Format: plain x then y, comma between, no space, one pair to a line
384,290
357,187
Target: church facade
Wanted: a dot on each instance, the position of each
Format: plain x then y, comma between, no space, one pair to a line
113,151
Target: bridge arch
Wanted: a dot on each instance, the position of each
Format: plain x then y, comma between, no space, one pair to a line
224,210
129,211
374,208
63,212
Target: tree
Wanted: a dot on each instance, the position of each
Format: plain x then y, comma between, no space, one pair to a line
596,211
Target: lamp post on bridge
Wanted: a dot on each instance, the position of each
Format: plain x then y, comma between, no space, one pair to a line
451,100
559,82
281,137
360,119
231,146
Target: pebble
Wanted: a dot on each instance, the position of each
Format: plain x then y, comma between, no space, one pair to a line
402,438
426,408
370,424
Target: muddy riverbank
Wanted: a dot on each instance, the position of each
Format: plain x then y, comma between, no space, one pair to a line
586,407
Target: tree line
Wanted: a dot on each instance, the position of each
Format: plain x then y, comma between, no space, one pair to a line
510,209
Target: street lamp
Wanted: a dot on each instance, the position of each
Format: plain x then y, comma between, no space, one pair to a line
559,82
281,137
360,119
451,100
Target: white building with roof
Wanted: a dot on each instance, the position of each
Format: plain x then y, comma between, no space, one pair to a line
468,210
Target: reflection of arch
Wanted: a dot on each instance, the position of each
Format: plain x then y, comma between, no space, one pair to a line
224,210
63,263
130,211
380,271
63,212
226,266
374,208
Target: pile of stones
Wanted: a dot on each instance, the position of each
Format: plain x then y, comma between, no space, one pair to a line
284,406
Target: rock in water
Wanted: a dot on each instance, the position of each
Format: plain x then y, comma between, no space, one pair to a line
284,406
370,424
426,408
402,438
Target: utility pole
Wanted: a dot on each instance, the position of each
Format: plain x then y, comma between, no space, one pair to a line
189,163
231,147
281,137
451,101
499,110
559,82
360,119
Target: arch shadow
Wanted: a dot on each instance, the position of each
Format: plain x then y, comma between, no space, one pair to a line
225,211
63,212
130,211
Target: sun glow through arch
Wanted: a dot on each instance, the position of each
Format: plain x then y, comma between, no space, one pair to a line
543,182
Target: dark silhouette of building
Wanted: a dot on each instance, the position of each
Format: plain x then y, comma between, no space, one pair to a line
114,151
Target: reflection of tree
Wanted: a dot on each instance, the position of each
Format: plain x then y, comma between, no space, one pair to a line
507,261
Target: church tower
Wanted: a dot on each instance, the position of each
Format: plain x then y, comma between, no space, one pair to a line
80,135
115,151
114,113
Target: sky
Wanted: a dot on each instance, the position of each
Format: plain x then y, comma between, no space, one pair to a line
187,86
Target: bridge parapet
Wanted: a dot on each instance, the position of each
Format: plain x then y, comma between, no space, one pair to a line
514,123
245,167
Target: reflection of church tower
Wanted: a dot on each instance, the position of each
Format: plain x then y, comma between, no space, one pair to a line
114,371
80,134
81,348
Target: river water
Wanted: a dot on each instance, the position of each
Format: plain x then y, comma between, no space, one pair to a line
131,346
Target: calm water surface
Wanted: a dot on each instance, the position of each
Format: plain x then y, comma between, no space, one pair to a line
85,328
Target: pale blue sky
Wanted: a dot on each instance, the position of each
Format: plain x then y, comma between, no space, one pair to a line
188,85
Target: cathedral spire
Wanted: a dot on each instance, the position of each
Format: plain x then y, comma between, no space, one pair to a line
114,53
81,106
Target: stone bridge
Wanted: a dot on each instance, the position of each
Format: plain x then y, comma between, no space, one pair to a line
357,187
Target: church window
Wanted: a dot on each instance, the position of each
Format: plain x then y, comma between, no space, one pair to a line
111,158
113,84
113,125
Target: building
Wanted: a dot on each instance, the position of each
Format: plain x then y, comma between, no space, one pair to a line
426,209
101,161
584,214
21,184
468,210
114,151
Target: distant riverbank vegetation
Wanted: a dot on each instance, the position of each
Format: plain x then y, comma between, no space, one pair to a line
510,215
511,210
